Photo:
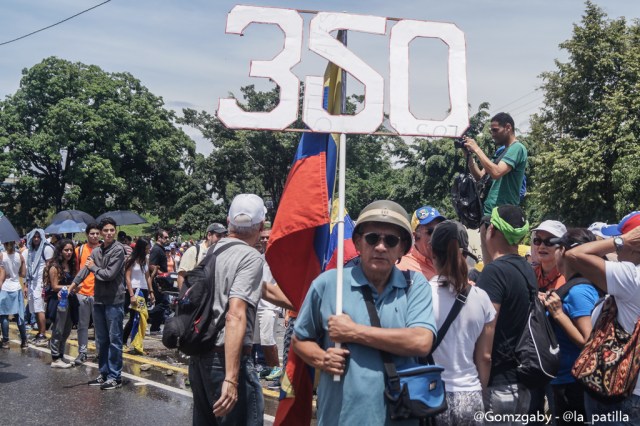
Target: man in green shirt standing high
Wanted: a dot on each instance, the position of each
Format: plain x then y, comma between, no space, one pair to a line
507,174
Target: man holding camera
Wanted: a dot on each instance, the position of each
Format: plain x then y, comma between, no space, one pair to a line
506,168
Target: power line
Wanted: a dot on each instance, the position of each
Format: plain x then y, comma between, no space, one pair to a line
53,25
513,102
538,100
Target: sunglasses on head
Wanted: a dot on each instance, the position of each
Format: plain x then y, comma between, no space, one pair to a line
373,238
537,241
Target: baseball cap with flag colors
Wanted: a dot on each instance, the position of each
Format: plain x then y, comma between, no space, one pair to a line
425,215
629,222
246,210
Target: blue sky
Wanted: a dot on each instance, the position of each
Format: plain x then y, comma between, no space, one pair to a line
180,51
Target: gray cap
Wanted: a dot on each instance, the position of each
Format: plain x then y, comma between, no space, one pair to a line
217,228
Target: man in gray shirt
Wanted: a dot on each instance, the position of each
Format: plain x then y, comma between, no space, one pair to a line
226,389
107,264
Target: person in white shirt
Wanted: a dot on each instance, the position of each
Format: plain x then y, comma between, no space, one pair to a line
465,350
138,280
12,268
39,251
621,280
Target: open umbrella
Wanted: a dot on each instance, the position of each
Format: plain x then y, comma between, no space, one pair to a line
7,231
123,217
77,216
65,226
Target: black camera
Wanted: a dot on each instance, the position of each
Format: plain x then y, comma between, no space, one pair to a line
459,143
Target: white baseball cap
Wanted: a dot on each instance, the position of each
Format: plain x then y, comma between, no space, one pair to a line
246,210
555,228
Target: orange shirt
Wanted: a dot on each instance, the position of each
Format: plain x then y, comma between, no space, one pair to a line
89,283
414,261
553,281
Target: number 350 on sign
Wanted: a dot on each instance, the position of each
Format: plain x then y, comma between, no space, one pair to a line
321,42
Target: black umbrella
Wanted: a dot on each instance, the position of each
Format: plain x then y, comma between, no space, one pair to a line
123,217
76,216
7,231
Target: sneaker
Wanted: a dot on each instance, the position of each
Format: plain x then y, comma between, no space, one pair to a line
40,340
98,381
155,333
80,359
265,372
4,344
111,384
60,363
27,327
274,385
276,373
24,345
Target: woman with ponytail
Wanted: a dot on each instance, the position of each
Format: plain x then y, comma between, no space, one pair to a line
465,349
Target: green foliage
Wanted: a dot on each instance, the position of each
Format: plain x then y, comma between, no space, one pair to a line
244,161
121,148
430,166
587,136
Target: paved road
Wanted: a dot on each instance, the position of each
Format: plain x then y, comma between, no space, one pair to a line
32,393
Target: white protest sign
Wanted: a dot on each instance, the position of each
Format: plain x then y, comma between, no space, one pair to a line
321,42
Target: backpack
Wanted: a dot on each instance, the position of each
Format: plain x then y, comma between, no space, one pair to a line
609,363
466,200
537,350
193,330
468,195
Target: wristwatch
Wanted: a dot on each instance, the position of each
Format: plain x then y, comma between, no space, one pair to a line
618,242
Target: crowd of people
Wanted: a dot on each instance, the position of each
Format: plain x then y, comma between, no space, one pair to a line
413,269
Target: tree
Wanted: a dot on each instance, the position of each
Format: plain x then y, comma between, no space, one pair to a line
259,161
74,135
430,166
245,161
587,133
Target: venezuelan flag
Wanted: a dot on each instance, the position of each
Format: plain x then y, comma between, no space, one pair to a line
300,239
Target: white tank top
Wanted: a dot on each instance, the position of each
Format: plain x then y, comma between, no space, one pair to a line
138,279
11,265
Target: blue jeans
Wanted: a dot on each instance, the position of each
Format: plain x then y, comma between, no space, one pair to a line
5,328
625,412
206,374
107,321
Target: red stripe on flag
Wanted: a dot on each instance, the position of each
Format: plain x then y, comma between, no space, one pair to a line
295,406
291,254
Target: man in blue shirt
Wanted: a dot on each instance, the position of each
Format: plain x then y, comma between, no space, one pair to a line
382,236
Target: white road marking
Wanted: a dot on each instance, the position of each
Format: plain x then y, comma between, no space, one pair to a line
139,381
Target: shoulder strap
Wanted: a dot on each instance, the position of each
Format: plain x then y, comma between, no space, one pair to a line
80,253
461,300
197,252
389,366
564,289
487,177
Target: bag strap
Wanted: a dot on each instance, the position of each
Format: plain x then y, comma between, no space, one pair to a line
487,177
389,366
220,324
574,281
461,300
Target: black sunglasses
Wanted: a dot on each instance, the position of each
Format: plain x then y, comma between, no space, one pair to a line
373,238
547,241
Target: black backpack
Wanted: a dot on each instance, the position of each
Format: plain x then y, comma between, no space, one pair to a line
193,330
468,195
537,350
466,200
